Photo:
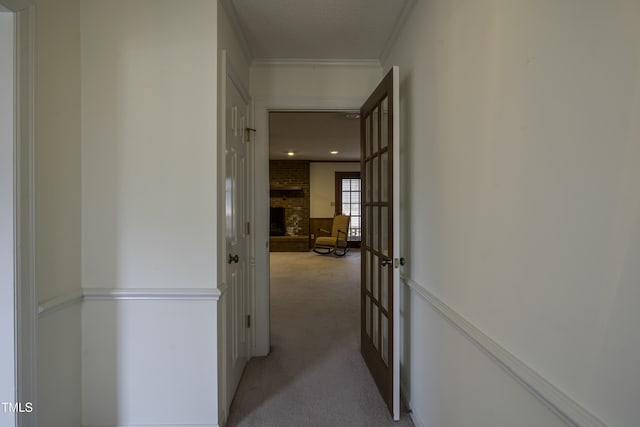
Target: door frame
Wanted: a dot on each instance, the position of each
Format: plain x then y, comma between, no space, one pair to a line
261,334
23,204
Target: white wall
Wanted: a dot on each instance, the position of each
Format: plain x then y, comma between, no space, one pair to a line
449,381
57,154
149,211
7,221
521,124
59,362
322,180
228,41
293,87
319,82
149,362
57,208
148,152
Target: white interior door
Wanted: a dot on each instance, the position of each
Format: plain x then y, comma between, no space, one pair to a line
236,234
380,282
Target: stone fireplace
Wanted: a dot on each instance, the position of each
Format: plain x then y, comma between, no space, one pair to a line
289,205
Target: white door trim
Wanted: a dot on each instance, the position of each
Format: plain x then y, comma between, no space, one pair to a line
8,218
397,243
25,305
27,294
260,219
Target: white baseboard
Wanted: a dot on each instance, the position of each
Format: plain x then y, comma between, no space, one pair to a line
153,425
406,399
562,405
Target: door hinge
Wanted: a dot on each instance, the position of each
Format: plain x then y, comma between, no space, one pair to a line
248,228
247,133
248,321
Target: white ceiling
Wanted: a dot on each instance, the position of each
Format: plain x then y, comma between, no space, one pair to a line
318,29
312,135
311,31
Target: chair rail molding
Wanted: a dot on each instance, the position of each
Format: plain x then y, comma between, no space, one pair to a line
172,294
562,405
113,294
60,302
293,62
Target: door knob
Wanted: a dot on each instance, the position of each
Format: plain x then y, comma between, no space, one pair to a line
233,258
385,262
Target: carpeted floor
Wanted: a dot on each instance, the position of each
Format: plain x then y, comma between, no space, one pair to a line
315,375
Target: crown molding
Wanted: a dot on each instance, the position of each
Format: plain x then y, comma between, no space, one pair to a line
311,62
233,16
16,5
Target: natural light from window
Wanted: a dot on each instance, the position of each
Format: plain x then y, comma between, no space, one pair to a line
351,205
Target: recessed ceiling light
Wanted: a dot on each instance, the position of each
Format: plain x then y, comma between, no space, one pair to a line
334,152
352,115
291,153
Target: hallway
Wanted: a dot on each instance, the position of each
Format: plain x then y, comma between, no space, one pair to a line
315,375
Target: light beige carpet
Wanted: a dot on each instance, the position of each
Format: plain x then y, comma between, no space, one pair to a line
315,375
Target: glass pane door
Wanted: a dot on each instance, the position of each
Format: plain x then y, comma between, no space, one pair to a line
380,206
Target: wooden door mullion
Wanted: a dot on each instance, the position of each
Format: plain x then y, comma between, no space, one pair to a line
381,360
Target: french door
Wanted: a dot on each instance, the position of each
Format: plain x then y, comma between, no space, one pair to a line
380,308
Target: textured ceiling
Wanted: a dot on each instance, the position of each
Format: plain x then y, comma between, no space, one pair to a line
311,135
318,29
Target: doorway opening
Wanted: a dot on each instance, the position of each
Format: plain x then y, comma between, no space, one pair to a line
314,299
314,175
306,151
378,128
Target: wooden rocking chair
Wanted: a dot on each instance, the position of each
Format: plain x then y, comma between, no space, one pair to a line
336,241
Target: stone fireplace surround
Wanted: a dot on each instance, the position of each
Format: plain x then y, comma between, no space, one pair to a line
290,190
